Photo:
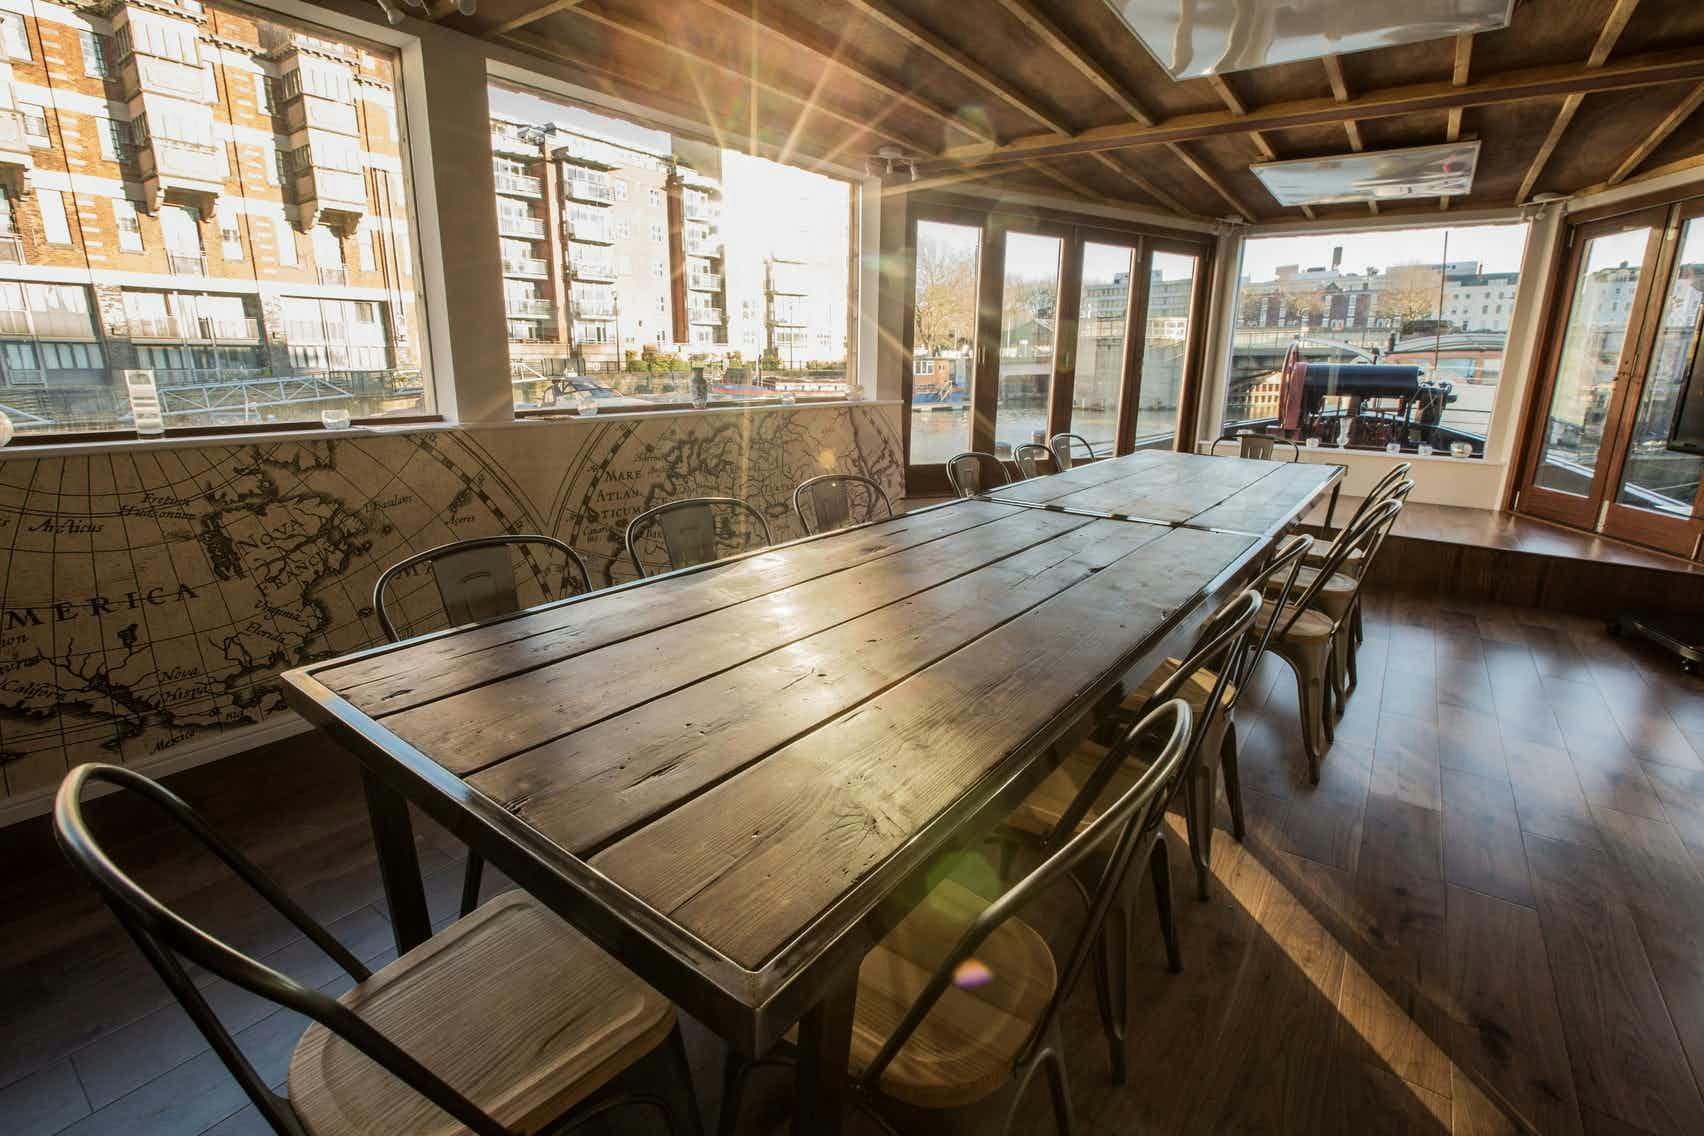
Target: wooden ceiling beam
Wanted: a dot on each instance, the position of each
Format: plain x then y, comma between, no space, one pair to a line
941,181
1458,78
1340,92
1143,184
823,53
1648,145
1043,27
659,41
1685,65
919,36
533,16
1607,35
1237,107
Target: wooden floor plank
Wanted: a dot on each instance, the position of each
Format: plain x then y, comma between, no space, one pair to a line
1482,838
1622,1046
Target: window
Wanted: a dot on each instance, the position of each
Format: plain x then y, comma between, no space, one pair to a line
623,325
210,269
15,36
94,54
1420,303
328,249
54,226
124,220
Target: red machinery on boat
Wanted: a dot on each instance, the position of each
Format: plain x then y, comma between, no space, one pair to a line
1380,402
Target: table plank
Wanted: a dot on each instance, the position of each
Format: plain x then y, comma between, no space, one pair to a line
1271,503
1042,490
473,729
602,782
810,821
390,680
1169,491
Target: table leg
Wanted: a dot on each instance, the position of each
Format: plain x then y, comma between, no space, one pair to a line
825,1042
399,866
1331,505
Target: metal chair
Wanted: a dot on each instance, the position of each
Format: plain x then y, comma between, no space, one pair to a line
476,580
420,1046
1380,490
967,473
974,990
1258,446
689,530
1028,456
1307,637
1061,445
831,501
1221,735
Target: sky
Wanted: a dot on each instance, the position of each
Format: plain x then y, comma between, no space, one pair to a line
1497,248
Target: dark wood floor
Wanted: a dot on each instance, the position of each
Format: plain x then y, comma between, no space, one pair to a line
1487,917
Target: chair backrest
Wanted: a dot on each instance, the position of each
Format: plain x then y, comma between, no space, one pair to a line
1369,532
1285,562
831,501
1258,446
690,530
972,472
166,938
1381,488
476,577
1128,826
1387,489
1028,456
1061,445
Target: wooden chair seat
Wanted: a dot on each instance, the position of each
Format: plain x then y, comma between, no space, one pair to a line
965,1049
1196,691
1312,625
1047,802
1351,563
509,1005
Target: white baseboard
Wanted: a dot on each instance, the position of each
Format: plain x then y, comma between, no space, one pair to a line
284,724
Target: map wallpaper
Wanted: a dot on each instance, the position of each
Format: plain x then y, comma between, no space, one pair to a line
149,597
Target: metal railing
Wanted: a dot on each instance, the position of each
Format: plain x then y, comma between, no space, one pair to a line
186,264
591,268
596,231
337,276
586,189
517,225
704,281
594,309
528,266
519,185
528,308
704,315
703,244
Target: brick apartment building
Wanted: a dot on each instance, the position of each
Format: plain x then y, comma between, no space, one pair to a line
217,198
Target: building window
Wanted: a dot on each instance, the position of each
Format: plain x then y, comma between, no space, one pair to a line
35,124
654,197
364,243
15,36
657,233
230,234
113,136
287,257
262,95
94,54
124,220
620,185
622,230
55,229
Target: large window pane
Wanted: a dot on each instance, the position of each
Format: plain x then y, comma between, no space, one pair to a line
1598,321
233,216
1439,298
1028,306
1103,319
1165,347
670,254
1656,477
944,353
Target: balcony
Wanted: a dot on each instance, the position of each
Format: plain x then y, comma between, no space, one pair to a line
194,328
11,249
701,209
520,225
338,276
596,231
320,113
335,197
152,74
585,189
703,244
598,309
598,268
704,281
506,141
528,308
14,142
704,315
585,152
187,264
787,315
786,280
519,185
526,267
180,171
51,325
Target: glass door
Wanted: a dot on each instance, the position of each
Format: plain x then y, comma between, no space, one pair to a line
1611,266
1168,341
1102,360
1657,496
1029,322
944,319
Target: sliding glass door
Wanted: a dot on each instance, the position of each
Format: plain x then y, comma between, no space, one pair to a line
1102,359
1168,338
1627,334
944,324
1029,325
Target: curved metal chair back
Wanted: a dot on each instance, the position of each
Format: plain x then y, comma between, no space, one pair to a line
1287,560
1259,446
1387,489
1367,534
476,577
1380,490
1027,458
831,501
1217,648
1061,445
690,531
1130,825
968,473
166,938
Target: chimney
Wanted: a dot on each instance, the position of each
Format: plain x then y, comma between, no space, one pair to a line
1336,257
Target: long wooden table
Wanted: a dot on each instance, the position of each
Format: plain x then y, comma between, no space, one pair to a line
730,776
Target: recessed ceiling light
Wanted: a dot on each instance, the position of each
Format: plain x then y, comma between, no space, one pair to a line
1191,38
1378,175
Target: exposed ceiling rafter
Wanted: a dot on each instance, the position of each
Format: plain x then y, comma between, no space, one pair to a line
1648,145
1607,36
531,17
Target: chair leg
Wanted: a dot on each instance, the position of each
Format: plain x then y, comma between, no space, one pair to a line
1353,669
1233,778
682,1098
1190,800
1355,620
1308,697
1328,702
470,882
1159,866
734,1069
1060,1088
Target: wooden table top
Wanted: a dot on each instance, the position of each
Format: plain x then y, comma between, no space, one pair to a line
1162,487
722,771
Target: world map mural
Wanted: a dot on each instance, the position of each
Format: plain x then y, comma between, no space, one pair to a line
149,597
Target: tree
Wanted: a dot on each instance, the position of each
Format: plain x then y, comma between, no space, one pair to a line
1409,292
946,294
